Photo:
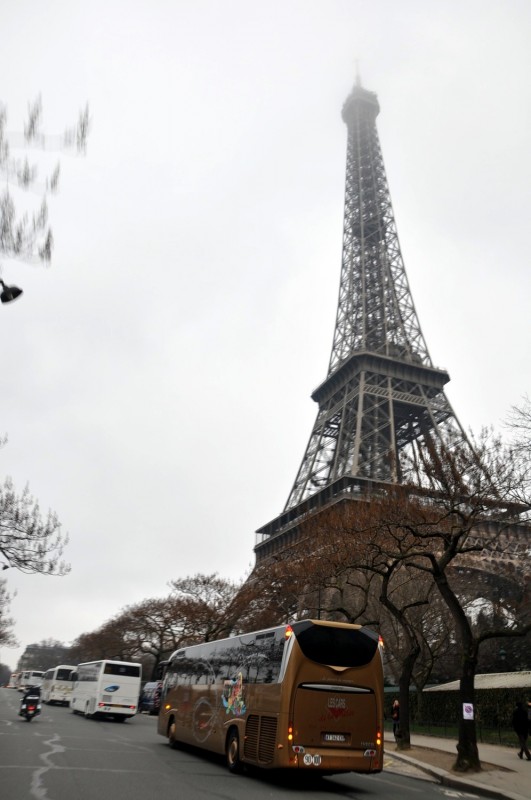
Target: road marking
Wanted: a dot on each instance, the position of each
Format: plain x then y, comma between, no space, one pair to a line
37,789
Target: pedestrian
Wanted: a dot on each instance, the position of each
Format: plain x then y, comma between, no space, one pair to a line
520,726
395,715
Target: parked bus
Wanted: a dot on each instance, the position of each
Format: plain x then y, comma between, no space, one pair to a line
57,684
307,695
106,688
29,677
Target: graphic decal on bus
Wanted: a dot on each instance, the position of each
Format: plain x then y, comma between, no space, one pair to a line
335,714
337,707
204,720
113,688
233,697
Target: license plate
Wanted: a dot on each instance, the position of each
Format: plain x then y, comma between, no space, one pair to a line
335,737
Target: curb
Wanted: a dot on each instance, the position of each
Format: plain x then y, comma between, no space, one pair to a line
454,781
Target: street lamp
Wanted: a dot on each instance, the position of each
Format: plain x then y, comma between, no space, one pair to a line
9,293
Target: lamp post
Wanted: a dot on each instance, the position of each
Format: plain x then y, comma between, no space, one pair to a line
9,293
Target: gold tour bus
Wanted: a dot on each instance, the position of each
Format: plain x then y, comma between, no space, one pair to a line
307,695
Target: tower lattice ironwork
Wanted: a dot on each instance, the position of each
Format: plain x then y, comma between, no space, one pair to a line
382,399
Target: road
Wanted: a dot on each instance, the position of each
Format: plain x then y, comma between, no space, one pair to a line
61,756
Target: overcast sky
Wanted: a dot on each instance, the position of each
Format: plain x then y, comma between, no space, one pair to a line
156,378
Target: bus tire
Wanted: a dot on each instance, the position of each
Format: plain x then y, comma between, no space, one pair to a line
172,741
232,752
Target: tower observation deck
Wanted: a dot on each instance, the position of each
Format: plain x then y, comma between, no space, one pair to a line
382,400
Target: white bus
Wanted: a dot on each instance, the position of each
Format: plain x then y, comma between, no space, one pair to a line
57,684
13,681
30,677
106,688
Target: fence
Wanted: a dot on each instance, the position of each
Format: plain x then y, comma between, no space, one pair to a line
438,713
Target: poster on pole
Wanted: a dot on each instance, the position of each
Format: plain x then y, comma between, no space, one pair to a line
468,711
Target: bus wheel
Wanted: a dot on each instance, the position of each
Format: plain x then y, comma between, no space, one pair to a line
233,752
172,741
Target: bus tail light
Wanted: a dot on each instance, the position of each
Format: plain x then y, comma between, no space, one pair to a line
288,632
290,732
378,738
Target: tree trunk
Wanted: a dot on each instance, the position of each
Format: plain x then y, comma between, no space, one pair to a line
467,746
403,739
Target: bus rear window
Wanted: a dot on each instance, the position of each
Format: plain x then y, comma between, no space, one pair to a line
63,674
130,670
337,647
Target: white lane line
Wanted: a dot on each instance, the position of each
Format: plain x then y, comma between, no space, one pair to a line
37,789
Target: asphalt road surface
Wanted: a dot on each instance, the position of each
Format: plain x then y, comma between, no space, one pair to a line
63,756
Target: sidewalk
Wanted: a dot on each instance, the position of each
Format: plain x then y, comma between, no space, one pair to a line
512,780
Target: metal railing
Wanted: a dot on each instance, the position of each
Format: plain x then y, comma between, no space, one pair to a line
448,729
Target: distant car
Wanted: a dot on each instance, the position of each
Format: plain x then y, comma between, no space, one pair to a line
150,699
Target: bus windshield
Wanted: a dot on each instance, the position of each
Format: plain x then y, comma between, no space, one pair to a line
340,647
64,674
114,668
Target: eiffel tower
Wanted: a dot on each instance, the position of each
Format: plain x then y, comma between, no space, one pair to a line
382,400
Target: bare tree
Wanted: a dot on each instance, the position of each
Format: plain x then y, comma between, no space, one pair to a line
107,641
519,423
275,593
208,606
199,608
368,586
480,508
21,236
29,542
461,511
155,627
7,638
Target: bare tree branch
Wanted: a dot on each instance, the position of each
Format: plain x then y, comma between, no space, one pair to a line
29,542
